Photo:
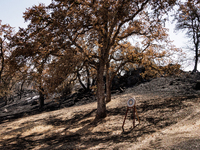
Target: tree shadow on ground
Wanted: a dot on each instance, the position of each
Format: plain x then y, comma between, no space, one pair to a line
78,131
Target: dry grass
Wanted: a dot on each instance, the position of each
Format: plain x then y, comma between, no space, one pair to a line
165,124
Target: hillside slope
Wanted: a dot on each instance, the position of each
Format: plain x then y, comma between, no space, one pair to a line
168,108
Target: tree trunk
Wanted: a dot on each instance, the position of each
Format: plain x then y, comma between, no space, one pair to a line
21,89
108,84
2,59
41,99
101,105
195,65
108,91
196,58
79,79
41,89
5,99
88,79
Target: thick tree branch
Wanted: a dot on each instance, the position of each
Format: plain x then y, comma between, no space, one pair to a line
127,20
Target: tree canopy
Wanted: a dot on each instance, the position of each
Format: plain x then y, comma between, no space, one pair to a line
68,38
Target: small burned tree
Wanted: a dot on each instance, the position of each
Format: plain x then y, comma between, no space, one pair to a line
6,32
40,53
188,19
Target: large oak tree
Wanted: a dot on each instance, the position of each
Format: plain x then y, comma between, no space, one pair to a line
95,28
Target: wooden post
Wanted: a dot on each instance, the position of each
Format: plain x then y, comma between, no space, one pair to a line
133,116
137,115
125,118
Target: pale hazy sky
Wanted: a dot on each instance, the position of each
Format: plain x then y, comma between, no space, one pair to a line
11,12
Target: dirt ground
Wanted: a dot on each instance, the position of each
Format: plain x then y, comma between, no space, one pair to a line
167,121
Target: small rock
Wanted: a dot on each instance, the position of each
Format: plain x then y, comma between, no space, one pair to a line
5,110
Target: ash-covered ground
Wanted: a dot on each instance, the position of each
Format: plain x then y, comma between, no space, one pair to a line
185,84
